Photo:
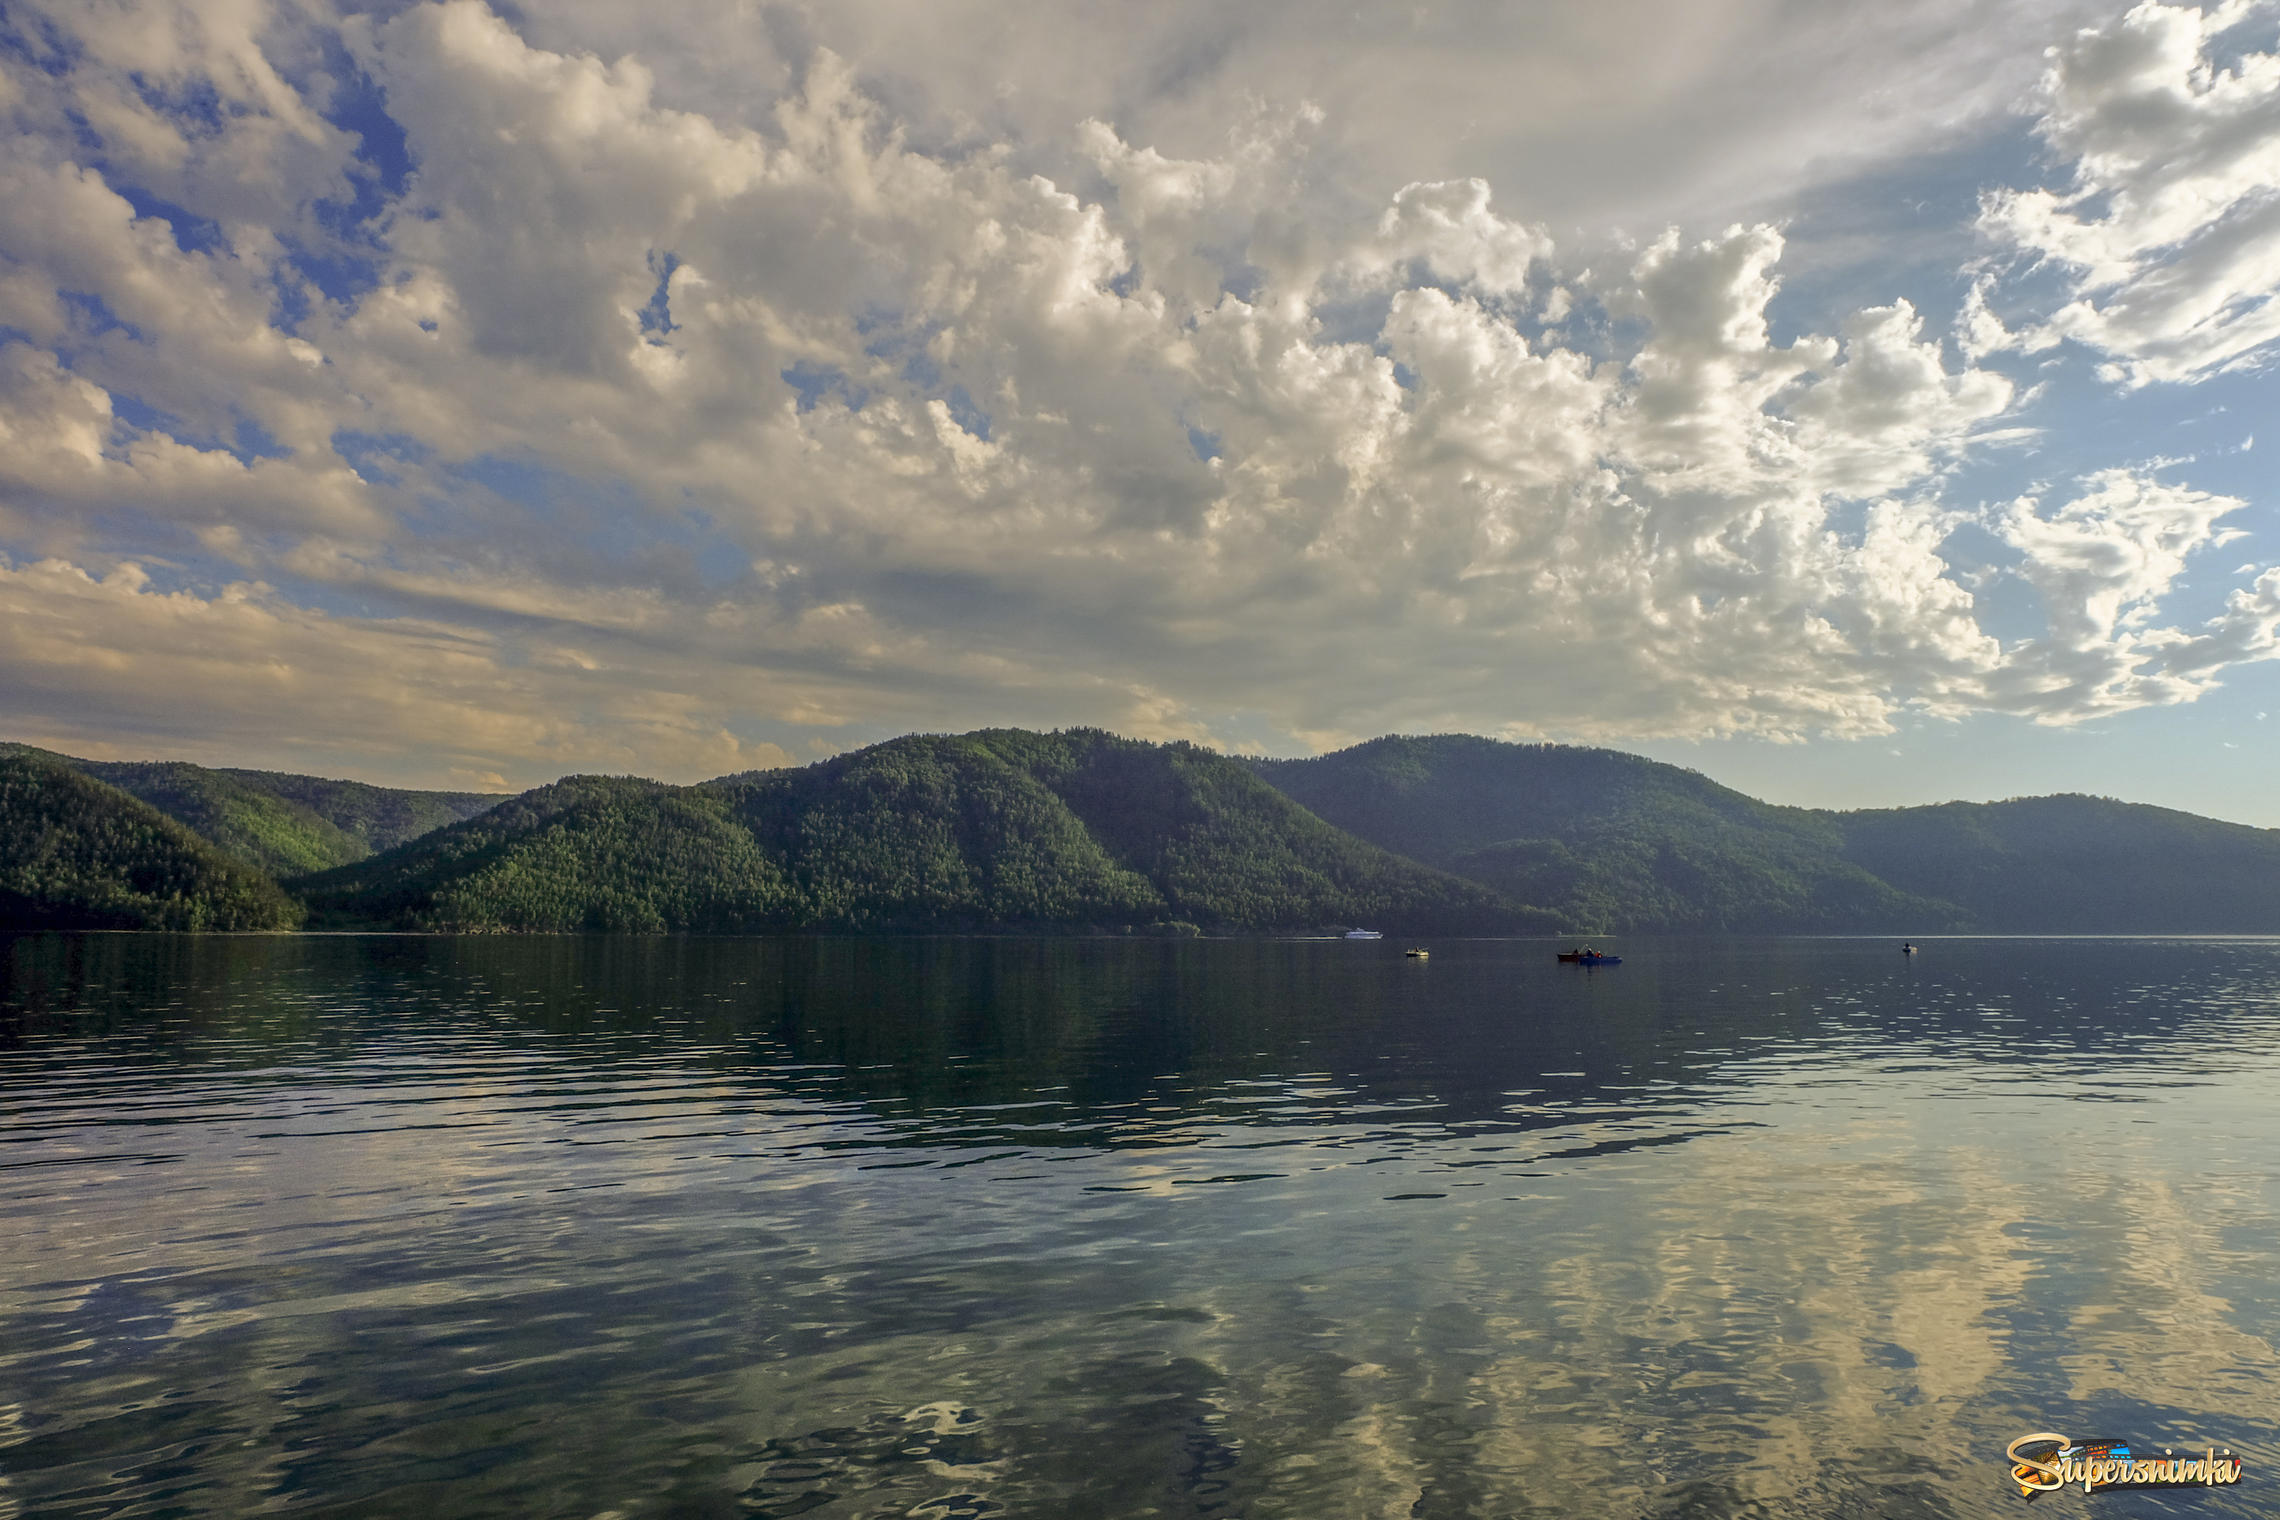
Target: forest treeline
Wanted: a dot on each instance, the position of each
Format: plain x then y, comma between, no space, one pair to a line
995,830
1082,831
1620,842
78,853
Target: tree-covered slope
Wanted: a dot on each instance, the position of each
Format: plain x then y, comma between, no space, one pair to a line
935,831
587,852
1224,848
286,825
1011,830
380,817
280,837
2076,865
1608,840
1003,830
77,853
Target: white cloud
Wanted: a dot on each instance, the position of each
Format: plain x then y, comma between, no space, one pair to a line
1624,112
2170,226
2101,563
191,102
682,424
1450,228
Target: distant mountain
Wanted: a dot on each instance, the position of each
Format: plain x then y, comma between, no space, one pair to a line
78,853
280,837
1007,830
2076,865
1607,840
1616,841
377,817
608,853
284,824
1000,829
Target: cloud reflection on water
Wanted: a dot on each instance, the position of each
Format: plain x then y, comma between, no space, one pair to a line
669,1227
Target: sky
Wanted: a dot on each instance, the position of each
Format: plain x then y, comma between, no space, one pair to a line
1857,402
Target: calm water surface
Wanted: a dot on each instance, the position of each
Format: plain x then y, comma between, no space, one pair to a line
584,1227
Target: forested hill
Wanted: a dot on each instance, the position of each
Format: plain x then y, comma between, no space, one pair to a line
2076,865
1609,840
377,817
1007,830
1618,841
283,824
1000,829
77,853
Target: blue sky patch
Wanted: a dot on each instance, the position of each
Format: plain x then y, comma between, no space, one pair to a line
813,383
37,41
380,457
192,102
93,315
657,315
192,233
252,441
339,274
359,105
966,414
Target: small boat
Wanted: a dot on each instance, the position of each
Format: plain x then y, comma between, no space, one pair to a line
1907,947
1363,934
1589,957
1417,955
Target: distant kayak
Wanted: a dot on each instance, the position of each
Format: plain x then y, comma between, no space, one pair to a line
1589,958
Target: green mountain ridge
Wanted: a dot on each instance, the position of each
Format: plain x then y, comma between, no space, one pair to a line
995,830
1007,830
376,817
284,825
1618,842
2073,864
76,852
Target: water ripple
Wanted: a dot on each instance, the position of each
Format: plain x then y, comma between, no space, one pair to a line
1008,1227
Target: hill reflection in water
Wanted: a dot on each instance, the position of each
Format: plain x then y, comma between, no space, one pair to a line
1080,1227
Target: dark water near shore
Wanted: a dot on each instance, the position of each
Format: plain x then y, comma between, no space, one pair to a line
580,1227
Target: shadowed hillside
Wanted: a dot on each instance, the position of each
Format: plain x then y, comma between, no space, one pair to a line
378,817
1008,830
284,824
993,830
2076,865
77,853
1609,840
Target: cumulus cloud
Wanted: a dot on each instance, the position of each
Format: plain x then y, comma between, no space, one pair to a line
2169,224
646,431
2101,563
1450,228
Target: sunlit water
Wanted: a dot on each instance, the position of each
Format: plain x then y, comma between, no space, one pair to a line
581,1227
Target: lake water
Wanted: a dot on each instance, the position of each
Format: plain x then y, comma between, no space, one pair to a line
588,1227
